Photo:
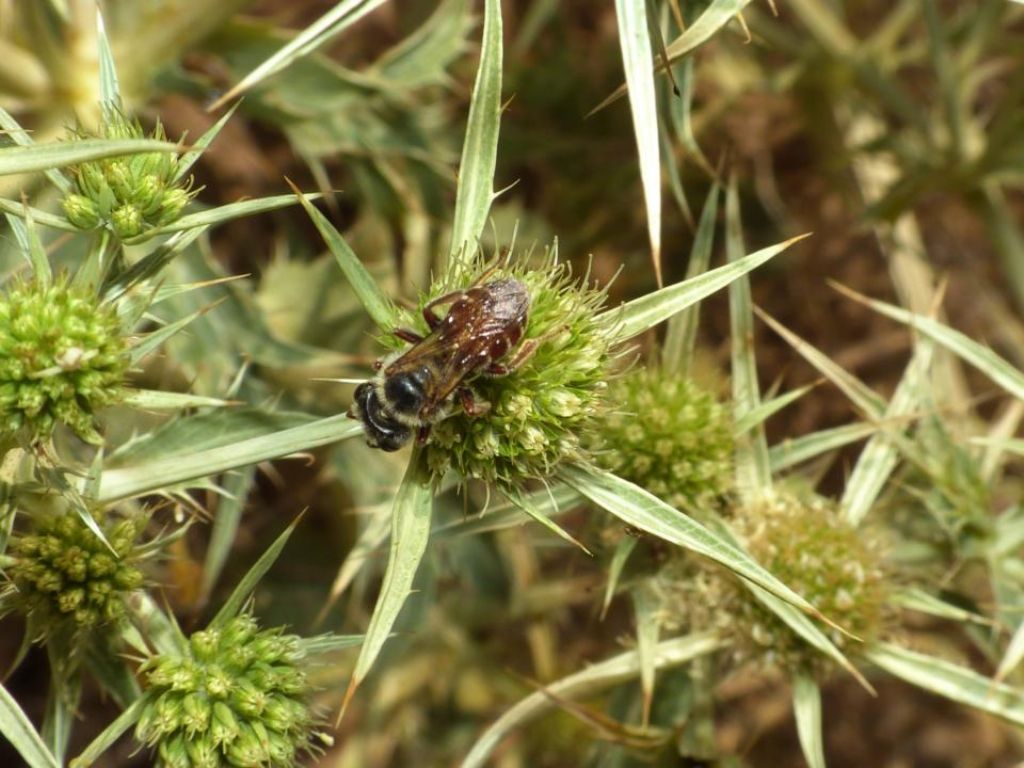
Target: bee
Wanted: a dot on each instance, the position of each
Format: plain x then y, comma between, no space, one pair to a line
414,389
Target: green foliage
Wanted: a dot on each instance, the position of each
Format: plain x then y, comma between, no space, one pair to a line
63,356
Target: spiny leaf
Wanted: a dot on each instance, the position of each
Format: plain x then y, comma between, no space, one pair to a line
410,530
807,710
480,148
635,41
17,729
636,316
40,157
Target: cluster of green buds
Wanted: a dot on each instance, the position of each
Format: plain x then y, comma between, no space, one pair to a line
128,194
539,410
62,357
235,696
63,577
668,435
810,548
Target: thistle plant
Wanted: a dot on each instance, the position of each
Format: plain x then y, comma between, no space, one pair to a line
805,542
237,695
67,580
540,410
127,195
669,436
63,357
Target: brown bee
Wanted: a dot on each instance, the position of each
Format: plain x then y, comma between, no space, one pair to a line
417,388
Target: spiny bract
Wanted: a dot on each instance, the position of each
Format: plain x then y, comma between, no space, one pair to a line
62,358
235,696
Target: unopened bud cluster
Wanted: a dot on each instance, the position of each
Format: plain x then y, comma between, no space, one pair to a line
64,577
236,696
131,193
539,410
62,358
669,436
811,549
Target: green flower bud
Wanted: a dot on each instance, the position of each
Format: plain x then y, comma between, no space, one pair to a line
129,194
127,220
810,548
223,712
55,582
81,211
668,436
62,357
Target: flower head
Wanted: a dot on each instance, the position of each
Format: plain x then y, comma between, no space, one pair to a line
533,415
810,548
64,577
667,435
128,194
62,358
235,696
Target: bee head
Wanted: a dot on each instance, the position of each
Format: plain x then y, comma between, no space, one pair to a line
405,392
382,431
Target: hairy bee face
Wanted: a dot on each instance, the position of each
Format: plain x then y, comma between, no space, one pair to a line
382,431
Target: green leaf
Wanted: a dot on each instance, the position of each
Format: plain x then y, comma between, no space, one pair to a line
21,137
40,157
619,559
681,334
233,605
110,90
978,355
235,489
480,148
797,450
152,624
645,609
323,30
38,215
109,736
765,410
880,456
152,341
588,682
807,711
17,729
30,244
538,513
377,305
222,213
635,506
157,400
549,502
753,467
915,599
949,680
637,58
636,316
715,16
1014,653
152,476
410,530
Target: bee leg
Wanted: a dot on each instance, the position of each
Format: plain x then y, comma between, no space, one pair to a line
471,405
428,311
406,334
422,434
524,353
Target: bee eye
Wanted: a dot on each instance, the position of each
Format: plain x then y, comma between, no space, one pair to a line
404,393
